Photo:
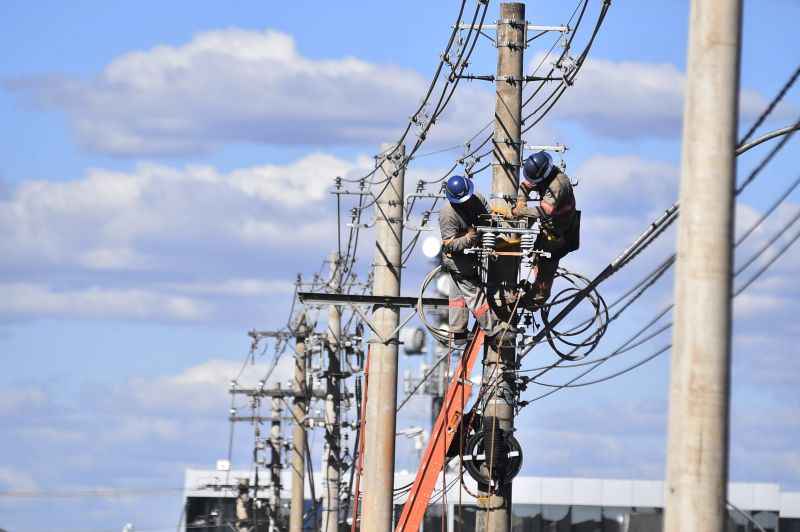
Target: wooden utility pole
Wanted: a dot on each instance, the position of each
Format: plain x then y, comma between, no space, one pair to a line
333,458
382,393
697,449
495,513
299,409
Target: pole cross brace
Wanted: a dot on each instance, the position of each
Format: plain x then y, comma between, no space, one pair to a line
356,301
529,27
272,392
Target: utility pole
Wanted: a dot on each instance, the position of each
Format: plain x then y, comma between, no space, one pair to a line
495,506
697,449
299,430
275,444
256,461
333,454
382,392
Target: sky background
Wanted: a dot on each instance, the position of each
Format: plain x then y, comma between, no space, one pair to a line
165,174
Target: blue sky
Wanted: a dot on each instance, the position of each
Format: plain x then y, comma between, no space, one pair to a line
164,176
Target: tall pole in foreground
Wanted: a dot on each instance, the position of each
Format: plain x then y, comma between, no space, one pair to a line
495,513
330,483
299,430
382,392
697,449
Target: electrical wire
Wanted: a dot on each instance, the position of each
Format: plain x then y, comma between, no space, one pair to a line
572,382
778,97
431,86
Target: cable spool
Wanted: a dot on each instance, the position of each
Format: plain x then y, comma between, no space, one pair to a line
506,459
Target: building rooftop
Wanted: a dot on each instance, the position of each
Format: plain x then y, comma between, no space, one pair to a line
746,496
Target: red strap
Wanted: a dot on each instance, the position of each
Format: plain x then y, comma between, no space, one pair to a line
457,303
483,309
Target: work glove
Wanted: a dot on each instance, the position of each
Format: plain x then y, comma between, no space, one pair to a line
472,236
502,210
521,204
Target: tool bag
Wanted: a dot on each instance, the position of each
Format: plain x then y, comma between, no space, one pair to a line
560,244
573,234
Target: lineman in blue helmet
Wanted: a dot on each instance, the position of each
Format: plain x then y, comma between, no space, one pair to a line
559,220
457,221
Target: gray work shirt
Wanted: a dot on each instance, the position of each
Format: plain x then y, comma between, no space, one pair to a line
557,202
453,227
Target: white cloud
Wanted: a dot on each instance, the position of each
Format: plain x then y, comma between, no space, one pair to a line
625,185
33,300
236,85
749,305
167,242
14,479
235,287
131,429
18,401
111,220
204,387
630,99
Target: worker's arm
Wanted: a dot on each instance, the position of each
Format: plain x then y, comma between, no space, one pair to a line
552,200
455,239
460,243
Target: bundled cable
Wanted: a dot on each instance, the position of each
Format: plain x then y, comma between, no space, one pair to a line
582,339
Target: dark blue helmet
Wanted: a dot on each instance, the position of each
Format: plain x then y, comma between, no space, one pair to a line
459,189
537,167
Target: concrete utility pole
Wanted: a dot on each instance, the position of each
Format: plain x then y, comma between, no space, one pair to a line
333,458
299,430
495,514
382,392
697,450
275,466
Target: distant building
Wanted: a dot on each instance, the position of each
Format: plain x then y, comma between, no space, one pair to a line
541,504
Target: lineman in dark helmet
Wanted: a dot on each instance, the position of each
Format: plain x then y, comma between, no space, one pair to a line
457,221
556,213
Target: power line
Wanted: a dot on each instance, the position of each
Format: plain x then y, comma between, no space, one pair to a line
778,97
757,275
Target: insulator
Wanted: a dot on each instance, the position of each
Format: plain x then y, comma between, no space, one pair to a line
489,240
527,242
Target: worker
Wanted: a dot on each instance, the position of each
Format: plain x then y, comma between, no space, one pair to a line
457,221
558,219
243,506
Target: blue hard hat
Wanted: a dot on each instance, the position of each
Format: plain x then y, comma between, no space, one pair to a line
459,189
537,167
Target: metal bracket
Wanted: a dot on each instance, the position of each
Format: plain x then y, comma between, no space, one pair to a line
558,148
513,23
508,22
